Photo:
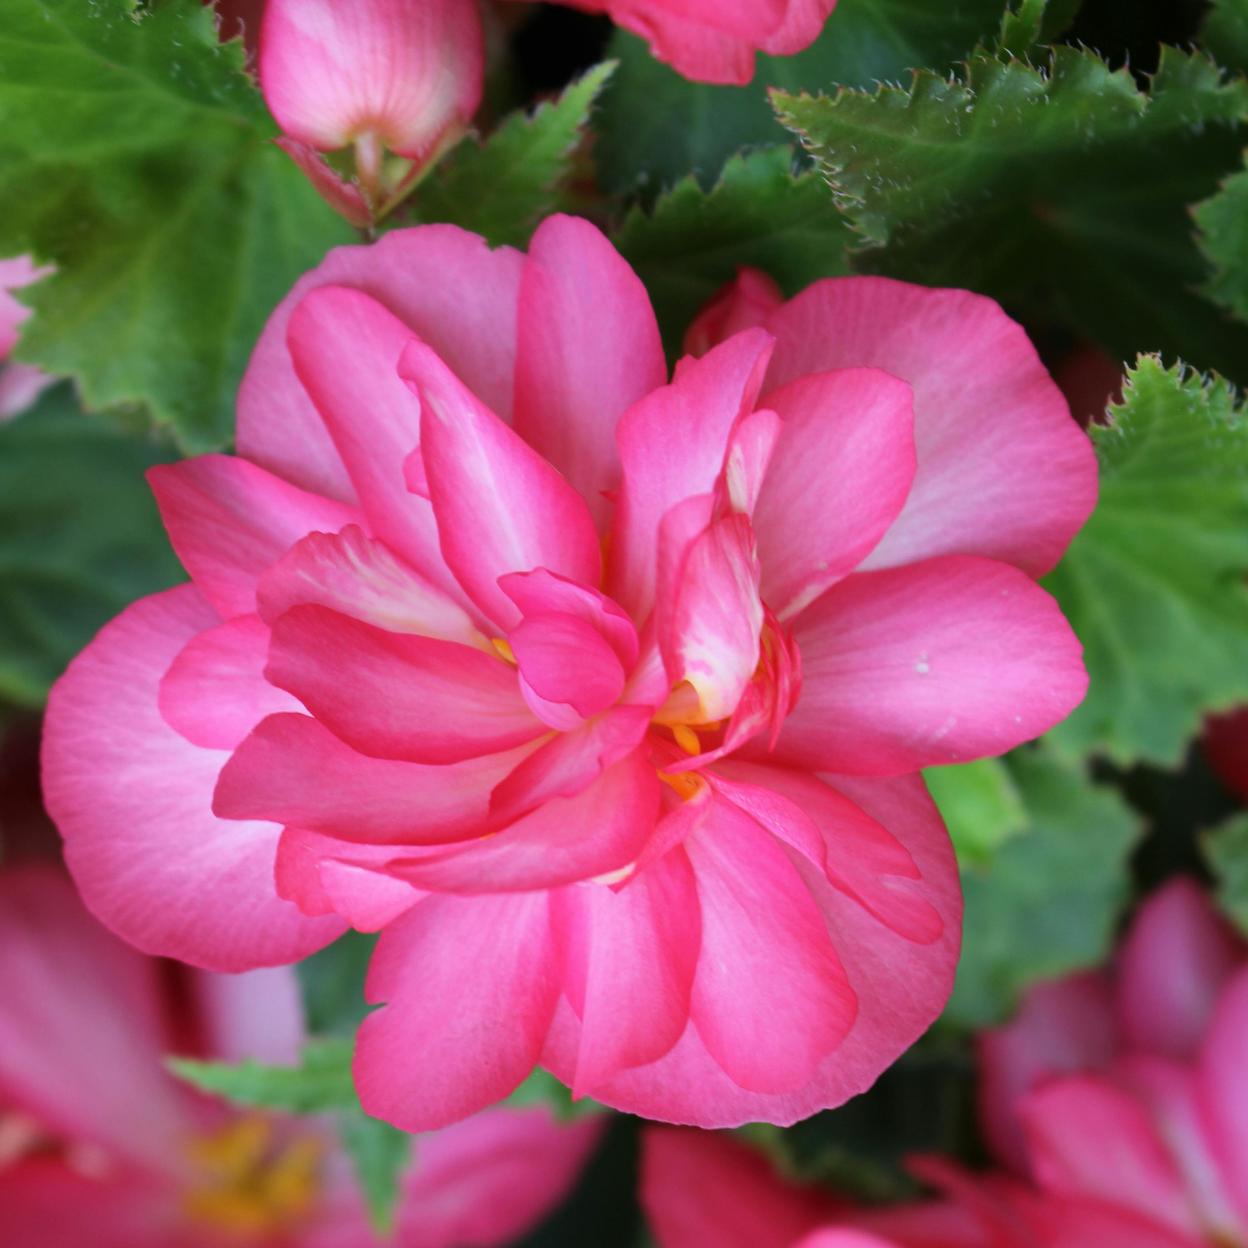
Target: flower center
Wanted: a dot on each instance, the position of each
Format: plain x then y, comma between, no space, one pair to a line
250,1183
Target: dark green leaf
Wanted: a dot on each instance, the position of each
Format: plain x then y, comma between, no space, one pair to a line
501,188
1225,33
1226,849
379,1154
760,213
321,1082
656,126
1223,222
1154,584
980,804
80,537
135,155
1048,902
1063,191
541,1088
332,984
1031,22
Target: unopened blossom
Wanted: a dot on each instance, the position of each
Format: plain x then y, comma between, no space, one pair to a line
716,42
600,694
100,1147
1129,1088
20,384
394,81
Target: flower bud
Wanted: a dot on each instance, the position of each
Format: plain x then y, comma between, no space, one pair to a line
378,76
745,302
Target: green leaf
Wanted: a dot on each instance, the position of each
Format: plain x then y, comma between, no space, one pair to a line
760,213
1048,902
501,188
331,983
980,804
321,1082
1153,585
1225,33
379,1154
80,537
1062,191
656,126
1223,222
1033,22
135,155
1226,850
541,1088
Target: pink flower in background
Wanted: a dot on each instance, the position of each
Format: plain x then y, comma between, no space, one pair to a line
101,1148
1225,743
716,42
1130,1090
20,384
377,76
601,696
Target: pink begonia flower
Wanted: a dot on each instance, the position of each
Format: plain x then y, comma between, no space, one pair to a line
700,1188
20,384
716,42
101,1148
1131,1088
377,76
601,696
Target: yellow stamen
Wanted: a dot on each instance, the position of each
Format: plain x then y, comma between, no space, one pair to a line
503,646
686,784
687,739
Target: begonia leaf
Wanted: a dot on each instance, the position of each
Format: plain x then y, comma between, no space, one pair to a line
135,156
1031,22
656,126
331,983
1049,900
1223,222
980,805
80,537
1061,190
759,213
1225,33
541,1088
379,1154
503,186
1226,850
1154,584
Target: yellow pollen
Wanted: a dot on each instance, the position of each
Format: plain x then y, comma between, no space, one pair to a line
686,784
687,739
246,1185
503,646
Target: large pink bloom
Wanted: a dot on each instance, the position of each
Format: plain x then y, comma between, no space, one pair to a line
601,695
1131,1089
101,1148
20,384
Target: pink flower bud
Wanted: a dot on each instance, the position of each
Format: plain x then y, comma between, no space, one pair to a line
745,302
397,75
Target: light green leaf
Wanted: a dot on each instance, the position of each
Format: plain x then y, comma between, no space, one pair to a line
657,126
980,804
321,1082
1225,33
760,213
80,537
1226,850
1153,585
1062,191
135,155
501,188
379,1155
1048,902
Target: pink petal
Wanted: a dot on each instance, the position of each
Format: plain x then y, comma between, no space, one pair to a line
900,986
599,831
344,197
1174,963
566,660
1063,1026
404,70
771,998
488,1179
77,1001
469,985
587,348
745,303
20,386
629,958
469,321
1224,1090
346,348
700,1189
1225,743
294,771
1003,471
398,695
358,576
803,22
133,800
694,48
837,480
229,520
500,507
672,446
214,692
939,662
15,272
257,1015
1087,1137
